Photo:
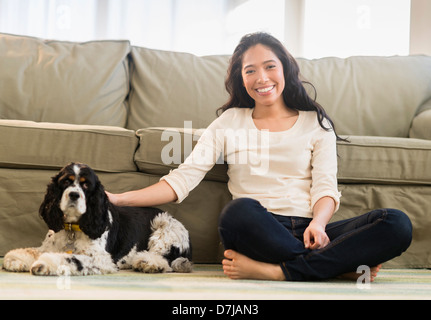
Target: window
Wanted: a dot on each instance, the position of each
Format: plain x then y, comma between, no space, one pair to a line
310,28
202,27
356,27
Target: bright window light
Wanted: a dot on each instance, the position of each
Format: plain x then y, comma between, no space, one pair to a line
205,27
356,27
202,27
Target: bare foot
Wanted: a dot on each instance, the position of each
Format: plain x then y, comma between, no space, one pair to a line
354,276
239,266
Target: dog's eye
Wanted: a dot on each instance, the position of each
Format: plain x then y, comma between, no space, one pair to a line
68,180
84,182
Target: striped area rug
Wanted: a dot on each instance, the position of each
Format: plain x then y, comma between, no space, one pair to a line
207,282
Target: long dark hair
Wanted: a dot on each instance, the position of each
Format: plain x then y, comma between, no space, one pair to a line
295,96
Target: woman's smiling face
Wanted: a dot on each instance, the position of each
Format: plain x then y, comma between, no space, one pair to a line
263,76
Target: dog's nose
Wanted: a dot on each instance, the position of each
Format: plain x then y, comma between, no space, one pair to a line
74,196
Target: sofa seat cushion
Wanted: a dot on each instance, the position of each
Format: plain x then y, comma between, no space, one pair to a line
384,160
163,149
27,144
67,82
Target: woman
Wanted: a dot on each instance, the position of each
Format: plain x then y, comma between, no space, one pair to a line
280,147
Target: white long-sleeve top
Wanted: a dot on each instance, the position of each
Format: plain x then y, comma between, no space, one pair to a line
287,172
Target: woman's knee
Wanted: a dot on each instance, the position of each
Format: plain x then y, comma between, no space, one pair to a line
237,212
401,226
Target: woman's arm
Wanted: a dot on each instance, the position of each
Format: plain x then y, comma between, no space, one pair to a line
315,236
325,197
154,195
324,169
176,186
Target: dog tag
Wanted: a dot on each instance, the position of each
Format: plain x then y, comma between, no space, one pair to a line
69,247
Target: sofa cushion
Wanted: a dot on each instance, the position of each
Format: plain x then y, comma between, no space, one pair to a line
27,144
163,149
421,125
384,160
67,82
370,96
363,160
168,88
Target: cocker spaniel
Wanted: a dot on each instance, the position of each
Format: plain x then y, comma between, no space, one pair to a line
89,235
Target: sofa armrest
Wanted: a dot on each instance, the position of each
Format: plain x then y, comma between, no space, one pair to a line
421,126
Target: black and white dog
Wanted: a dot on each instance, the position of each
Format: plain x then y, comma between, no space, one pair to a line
89,235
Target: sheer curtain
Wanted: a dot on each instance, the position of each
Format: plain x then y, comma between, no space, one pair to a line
201,27
309,28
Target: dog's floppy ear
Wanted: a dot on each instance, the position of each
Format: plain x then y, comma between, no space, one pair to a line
95,220
50,207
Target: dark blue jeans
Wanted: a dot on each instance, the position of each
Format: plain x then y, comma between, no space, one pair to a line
373,238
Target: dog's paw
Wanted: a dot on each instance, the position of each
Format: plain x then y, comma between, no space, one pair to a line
151,263
47,265
15,265
40,268
182,265
146,267
19,260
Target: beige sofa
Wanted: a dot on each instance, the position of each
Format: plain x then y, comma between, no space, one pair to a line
118,108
